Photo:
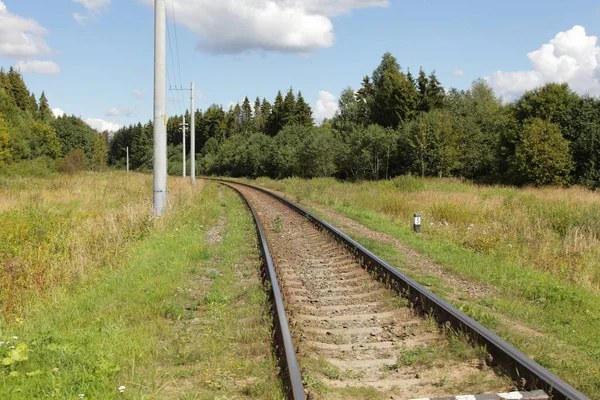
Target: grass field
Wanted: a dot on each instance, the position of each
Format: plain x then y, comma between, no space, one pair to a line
106,303
534,251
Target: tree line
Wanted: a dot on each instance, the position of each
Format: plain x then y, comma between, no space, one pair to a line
30,131
394,123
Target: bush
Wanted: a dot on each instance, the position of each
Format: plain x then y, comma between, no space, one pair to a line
74,162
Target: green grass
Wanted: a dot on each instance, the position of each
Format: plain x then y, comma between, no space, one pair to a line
500,238
127,328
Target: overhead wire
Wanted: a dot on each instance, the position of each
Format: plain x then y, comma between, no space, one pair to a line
174,95
177,72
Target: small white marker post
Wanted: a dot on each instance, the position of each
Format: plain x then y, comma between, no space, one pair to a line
417,225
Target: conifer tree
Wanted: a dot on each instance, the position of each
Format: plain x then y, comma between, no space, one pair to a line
303,112
246,116
44,111
289,109
275,120
422,84
19,91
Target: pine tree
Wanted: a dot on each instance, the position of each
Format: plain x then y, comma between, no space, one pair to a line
32,106
422,83
257,122
19,91
246,117
435,92
275,121
44,111
289,109
303,112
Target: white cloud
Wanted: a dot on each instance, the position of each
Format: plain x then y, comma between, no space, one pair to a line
101,125
93,5
571,57
21,37
38,67
118,111
81,19
325,107
138,93
57,112
292,26
459,73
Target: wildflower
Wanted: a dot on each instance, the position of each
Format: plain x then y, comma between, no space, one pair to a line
121,388
81,396
15,338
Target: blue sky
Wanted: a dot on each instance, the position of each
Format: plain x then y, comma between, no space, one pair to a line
93,54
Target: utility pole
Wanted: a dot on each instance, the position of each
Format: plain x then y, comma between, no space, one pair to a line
160,115
192,137
127,150
183,127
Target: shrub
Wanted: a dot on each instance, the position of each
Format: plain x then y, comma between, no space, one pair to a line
74,162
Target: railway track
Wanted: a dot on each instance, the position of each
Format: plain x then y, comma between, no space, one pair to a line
342,333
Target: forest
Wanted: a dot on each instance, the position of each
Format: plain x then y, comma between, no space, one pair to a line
394,124
34,141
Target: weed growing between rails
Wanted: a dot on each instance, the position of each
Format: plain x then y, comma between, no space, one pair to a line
553,321
60,233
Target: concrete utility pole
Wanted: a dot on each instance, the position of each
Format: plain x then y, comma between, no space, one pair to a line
127,150
183,127
192,137
160,115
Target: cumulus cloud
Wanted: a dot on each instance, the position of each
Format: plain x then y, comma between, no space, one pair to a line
571,57
459,73
21,37
325,107
57,112
118,111
138,93
93,5
101,125
80,19
38,67
292,26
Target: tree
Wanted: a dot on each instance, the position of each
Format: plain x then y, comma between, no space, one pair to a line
100,153
44,141
350,114
246,116
586,148
276,117
5,151
44,111
542,157
20,94
303,112
317,154
394,95
288,115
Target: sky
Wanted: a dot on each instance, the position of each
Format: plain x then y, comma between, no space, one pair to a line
94,58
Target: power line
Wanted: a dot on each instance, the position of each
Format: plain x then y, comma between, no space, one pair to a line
177,85
173,82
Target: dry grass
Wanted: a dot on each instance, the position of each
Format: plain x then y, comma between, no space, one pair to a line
61,232
553,229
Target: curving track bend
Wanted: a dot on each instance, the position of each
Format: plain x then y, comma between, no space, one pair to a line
349,330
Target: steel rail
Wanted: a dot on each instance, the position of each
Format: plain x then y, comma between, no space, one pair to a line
290,370
529,374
